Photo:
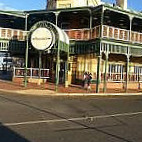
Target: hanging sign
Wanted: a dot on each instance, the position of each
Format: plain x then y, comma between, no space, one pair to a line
42,38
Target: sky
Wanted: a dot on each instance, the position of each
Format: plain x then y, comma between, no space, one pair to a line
41,4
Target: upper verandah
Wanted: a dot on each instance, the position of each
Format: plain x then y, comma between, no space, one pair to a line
82,23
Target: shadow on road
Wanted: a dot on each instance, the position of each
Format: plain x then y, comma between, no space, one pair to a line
82,125
8,135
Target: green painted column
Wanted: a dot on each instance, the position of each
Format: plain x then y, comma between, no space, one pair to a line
139,83
105,74
90,26
40,64
66,70
26,53
57,58
57,67
127,73
98,74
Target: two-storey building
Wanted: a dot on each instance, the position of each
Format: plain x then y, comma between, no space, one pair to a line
105,40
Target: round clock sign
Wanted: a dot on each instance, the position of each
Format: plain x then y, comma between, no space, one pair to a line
42,38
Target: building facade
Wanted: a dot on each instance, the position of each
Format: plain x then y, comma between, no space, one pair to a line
12,42
109,48
55,4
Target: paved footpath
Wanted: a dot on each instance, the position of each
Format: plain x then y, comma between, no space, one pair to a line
49,89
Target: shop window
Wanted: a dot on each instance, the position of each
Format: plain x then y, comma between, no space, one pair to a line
65,5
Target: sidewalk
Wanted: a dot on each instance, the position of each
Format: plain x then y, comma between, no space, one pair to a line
49,89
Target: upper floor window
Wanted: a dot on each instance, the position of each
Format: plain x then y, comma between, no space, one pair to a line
65,5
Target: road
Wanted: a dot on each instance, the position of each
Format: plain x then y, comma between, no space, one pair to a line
26,118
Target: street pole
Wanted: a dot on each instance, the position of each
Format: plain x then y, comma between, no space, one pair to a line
98,74
127,73
26,53
57,67
105,74
39,75
66,69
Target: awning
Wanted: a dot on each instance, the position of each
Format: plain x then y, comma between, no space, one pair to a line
59,35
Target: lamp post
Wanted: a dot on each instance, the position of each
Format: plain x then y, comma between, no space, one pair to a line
26,53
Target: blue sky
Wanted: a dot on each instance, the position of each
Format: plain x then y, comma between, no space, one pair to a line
41,4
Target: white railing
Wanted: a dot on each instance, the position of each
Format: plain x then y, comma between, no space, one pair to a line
115,33
95,32
116,77
78,34
31,72
136,37
81,34
121,77
8,33
133,77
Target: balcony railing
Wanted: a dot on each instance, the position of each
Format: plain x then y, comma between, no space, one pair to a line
78,34
136,37
121,77
81,34
115,33
12,34
107,32
31,73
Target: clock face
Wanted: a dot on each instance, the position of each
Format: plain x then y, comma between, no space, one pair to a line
42,38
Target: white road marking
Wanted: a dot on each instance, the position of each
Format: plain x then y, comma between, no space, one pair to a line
71,119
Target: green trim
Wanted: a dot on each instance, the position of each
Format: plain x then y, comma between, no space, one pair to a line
98,74
85,47
60,10
107,6
121,43
14,13
126,12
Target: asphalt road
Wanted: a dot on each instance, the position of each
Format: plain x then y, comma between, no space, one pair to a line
25,118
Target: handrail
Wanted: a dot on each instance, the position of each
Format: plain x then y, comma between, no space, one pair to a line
115,33
108,32
121,77
8,33
81,34
31,72
78,34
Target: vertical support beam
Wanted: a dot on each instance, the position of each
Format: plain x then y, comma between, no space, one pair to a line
90,26
14,72
66,74
26,53
127,73
39,75
57,67
102,22
98,74
139,76
106,71
66,69
57,58
130,34
56,15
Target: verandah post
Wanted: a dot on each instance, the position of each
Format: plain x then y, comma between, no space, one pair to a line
39,75
57,66
127,73
26,52
98,74
67,68
106,71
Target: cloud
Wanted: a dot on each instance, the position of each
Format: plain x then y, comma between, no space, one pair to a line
5,7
